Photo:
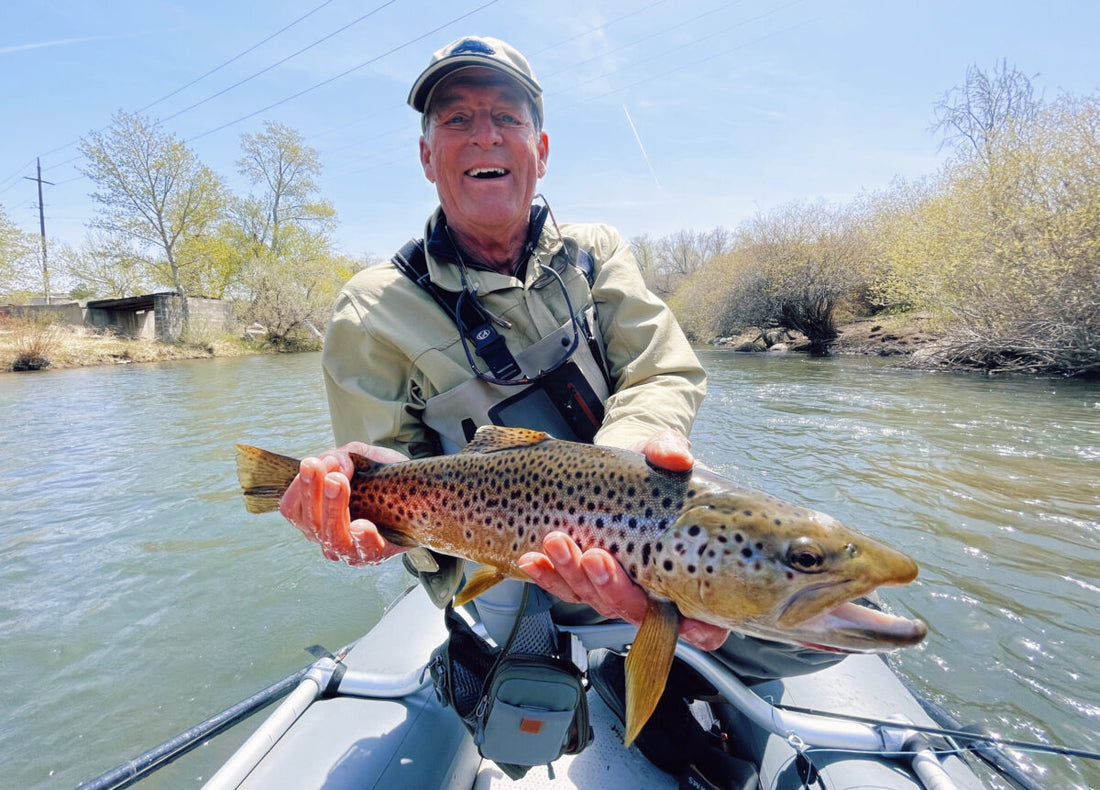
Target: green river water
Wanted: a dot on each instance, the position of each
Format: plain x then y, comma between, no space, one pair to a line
138,597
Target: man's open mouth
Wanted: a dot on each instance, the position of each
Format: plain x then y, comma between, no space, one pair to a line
487,172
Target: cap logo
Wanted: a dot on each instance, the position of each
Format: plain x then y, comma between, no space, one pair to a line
473,45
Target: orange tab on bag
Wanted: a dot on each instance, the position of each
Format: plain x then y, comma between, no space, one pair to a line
530,726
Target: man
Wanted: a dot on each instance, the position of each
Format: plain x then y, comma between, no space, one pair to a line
401,373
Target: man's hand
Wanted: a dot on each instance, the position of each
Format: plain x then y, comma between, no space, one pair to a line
596,578
317,504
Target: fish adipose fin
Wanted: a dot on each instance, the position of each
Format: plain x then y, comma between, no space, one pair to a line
478,582
491,438
264,477
648,664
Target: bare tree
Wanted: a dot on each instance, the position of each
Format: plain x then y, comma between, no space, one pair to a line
972,116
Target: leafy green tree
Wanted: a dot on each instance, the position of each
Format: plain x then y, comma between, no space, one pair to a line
289,271
156,199
103,268
19,258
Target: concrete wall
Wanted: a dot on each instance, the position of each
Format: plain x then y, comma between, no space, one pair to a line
152,317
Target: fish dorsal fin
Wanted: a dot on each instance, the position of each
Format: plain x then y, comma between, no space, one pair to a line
492,438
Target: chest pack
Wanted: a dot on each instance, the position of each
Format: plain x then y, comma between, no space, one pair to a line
566,401
525,702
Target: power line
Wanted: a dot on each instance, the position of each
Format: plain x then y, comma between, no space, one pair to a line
236,57
278,62
365,63
201,77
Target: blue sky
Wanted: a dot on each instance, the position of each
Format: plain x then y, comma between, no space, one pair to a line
738,106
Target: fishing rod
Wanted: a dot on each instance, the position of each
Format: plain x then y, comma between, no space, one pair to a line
134,770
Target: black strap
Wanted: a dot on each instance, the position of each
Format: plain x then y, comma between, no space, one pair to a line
488,343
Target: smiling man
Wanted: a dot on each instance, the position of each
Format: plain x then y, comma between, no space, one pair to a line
499,315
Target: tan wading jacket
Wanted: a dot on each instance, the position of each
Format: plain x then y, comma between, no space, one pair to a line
390,347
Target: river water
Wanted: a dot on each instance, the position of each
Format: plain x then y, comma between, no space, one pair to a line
138,597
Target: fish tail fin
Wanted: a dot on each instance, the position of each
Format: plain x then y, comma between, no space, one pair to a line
264,477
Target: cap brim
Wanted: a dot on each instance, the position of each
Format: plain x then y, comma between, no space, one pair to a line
422,88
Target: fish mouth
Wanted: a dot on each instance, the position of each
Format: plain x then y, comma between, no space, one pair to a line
854,628
846,628
487,172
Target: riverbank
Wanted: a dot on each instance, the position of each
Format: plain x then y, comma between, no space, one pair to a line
27,346
34,347
885,336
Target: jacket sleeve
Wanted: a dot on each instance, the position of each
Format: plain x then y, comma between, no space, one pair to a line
381,411
658,381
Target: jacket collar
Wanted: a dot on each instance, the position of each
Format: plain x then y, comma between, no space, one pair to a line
443,257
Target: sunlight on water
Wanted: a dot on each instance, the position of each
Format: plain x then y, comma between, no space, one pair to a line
138,597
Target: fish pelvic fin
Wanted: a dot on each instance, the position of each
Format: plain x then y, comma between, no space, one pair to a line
478,582
264,477
648,664
491,438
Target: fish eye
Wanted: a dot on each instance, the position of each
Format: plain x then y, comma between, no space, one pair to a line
805,555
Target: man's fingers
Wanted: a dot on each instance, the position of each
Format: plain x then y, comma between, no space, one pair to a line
617,595
670,450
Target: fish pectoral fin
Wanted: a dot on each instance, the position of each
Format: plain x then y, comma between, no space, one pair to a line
492,438
648,664
478,582
396,537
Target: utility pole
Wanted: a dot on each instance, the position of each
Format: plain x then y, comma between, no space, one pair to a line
42,228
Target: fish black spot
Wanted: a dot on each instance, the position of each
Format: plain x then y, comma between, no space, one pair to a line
518,531
630,547
645,554
693,530
759,546
599,523
666,503
790,575
756,566
668,565
678,548
613,548
710,569
748,513
778,522
737,538
632,523
746,552
630,492
690,569
649,512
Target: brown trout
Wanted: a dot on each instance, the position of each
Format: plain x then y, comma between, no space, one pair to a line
701,545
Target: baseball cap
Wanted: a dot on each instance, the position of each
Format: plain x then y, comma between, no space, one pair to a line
476,51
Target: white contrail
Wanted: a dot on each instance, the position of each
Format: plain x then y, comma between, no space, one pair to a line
57,43
642,148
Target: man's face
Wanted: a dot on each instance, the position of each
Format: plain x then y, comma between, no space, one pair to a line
483,152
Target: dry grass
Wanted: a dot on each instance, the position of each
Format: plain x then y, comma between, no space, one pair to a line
35,345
